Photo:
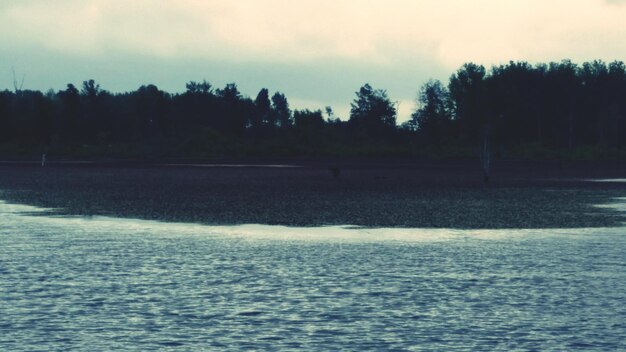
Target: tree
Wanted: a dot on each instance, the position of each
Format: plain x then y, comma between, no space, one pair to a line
513,103
261,116
90,89
307,119
230,92
234,110
93,112
432,117
6,125
330,114
309,126
70,112
281,111
512,108
467,99
199,88
595,100
196,107
616,91
372,113
563,91
150,110
469,103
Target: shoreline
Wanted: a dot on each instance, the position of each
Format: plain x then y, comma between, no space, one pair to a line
392,194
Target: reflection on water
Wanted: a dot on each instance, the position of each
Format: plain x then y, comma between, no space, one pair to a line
609,180
102,283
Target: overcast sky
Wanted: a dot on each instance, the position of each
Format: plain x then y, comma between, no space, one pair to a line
318,52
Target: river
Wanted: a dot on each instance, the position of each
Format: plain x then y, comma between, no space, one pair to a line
79,283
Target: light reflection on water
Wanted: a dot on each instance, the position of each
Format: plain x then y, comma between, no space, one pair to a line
102,283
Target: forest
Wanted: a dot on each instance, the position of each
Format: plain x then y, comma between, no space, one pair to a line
516,110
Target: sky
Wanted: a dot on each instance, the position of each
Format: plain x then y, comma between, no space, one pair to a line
317,52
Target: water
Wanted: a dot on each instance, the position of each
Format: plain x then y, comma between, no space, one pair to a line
109,284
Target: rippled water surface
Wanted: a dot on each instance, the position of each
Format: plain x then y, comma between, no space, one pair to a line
110,284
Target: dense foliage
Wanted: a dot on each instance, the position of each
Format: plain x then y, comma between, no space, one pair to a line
554,109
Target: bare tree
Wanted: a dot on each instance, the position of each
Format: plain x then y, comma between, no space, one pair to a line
16,87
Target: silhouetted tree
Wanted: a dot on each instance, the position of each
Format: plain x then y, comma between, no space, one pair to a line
615,89
330,114
432,118
309,127
510,107
308,120
70,111
92,119
233,110
511,92
595,102
262,117
468,100
564,89
6,125
281,111
151,107
199,88
372,114
90,89
196,107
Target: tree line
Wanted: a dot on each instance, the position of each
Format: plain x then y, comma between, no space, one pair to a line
518,109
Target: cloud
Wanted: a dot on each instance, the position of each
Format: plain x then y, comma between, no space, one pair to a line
380,32
310,47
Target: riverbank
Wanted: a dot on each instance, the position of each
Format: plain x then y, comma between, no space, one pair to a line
371,193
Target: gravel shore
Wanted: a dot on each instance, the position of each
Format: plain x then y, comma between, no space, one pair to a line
371,193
